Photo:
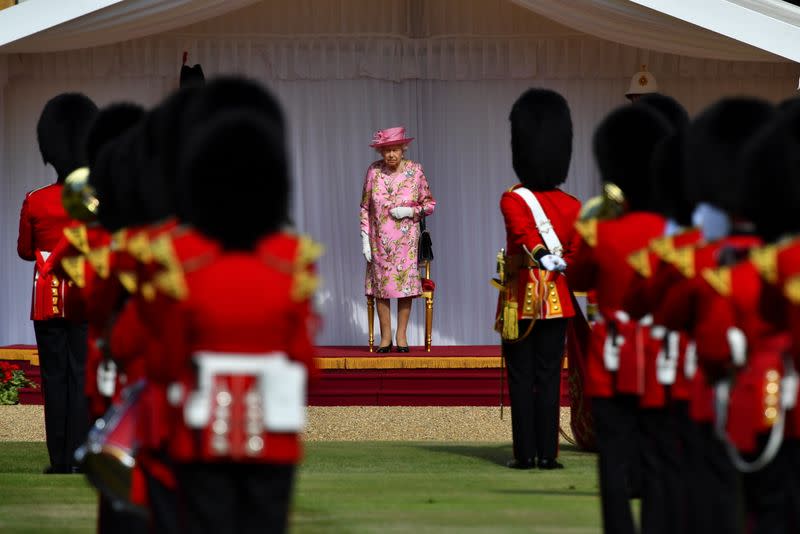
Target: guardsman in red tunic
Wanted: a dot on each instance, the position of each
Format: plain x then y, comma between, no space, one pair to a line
772,194
237,348
712,144
535,301
662,430
85,256
60,329
623,144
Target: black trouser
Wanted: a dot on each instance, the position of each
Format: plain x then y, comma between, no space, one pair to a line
715,485
663,498
237,498
767,493
112,519
163,503
617,434
534,380
62,348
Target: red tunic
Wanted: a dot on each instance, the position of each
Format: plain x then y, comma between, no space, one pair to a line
601,263
548,289
656,276
779,266
243,303
41,224
693,306
753,409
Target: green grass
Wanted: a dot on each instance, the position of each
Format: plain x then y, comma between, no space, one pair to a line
356,487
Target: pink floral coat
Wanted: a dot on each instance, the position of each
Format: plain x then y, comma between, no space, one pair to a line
393,271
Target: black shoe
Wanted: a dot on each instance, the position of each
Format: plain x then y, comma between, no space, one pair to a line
521,464
76,470
55,470
402,349
384,350
544,463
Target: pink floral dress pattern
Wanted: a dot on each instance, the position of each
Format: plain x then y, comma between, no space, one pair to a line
393,271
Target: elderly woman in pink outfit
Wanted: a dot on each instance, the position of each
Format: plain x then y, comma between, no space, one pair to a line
396,196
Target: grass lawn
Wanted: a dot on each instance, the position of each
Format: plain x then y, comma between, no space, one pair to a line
356,487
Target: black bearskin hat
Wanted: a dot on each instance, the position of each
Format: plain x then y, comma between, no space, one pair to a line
234,174
62,129
230,93
107,128
191,76
670,108
156,146
541,139
666,168
623,147
770,177
712,143
114,175
109,123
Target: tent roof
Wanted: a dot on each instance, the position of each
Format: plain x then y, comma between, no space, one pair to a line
744,30
55,25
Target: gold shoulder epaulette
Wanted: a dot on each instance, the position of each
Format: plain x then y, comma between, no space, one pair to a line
78,237
128,280
588,231
640,261
308,251
139,247
765,260
75,267
662,246
119,240
172,283
99,259
719,279
791,289
304,284
164,253
510,189
683,260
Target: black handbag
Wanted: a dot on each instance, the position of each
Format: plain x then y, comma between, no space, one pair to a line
425,243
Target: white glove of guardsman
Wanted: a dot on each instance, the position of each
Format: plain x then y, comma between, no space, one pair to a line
402,212
551,262
365,248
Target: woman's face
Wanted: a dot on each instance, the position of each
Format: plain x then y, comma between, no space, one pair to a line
392,155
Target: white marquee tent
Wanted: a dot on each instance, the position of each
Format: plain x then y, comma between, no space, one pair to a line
446,69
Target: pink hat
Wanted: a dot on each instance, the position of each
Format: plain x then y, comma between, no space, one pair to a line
389,137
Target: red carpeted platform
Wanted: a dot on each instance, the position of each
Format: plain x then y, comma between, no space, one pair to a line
353,376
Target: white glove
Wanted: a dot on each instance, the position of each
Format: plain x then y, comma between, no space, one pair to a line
402,212
551,262
365,247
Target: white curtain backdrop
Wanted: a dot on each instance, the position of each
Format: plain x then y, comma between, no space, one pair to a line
452,92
